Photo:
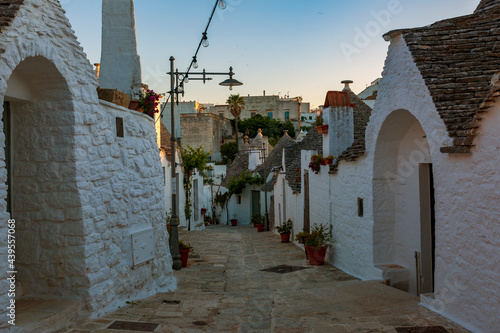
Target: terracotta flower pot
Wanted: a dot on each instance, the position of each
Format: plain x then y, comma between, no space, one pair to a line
260,227
184,257
316,255
323,129
234,222
323,161
285,237
254,224
134,105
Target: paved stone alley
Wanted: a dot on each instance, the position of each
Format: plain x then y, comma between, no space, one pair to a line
224,289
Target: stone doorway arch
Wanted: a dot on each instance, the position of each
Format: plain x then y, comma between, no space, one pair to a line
42,183
403,202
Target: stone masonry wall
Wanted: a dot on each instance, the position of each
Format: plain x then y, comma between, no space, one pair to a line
466,192
118,180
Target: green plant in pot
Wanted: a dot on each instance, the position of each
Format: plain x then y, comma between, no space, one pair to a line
301,236
258,222
184,249
317,242
285,229
234,221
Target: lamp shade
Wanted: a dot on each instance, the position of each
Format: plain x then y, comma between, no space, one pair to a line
230,83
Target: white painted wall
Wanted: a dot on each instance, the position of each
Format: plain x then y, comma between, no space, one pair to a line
340,121
90,189
466,191
120,62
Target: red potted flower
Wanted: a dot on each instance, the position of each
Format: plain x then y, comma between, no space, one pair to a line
184,249
315,163
234,221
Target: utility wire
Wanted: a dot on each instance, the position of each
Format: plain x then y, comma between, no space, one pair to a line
194,57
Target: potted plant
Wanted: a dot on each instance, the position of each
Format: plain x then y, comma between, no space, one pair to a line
258,222
301,236
320,127
184,249
203,211
316,244
257,219
208,219
234,221
315,163
323,129
149,102
329,159
285,230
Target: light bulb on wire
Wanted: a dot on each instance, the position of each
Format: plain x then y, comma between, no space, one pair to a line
222,4
205,40
186,80
195,63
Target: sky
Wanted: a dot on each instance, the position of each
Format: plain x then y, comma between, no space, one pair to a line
283,47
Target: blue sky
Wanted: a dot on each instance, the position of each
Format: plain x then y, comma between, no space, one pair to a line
286,47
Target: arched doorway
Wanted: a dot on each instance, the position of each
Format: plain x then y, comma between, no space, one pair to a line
42,191
403,235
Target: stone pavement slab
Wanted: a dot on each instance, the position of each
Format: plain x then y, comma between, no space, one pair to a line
224,289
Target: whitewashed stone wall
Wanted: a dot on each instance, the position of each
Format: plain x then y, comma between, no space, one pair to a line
466,192
119,48
466,189
92,190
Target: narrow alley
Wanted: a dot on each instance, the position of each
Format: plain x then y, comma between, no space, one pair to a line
224,289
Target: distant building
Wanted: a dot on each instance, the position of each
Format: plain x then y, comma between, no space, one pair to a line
272,106
369,95
198,125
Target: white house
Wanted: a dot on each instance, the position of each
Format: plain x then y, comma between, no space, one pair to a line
80,176
416,192
251,201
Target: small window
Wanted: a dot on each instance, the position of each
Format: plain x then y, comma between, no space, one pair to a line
287,115
164,176
270,114
360,207
252,114
119,127
239,200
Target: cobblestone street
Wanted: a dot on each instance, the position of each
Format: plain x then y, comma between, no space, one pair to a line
224,290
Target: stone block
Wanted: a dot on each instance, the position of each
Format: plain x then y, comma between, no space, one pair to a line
114,96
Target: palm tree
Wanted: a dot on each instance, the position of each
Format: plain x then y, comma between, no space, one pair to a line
235,104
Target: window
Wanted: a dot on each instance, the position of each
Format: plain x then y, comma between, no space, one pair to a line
252,114
119,127
360,207
302,118
221,115
287,115
270,114
239,200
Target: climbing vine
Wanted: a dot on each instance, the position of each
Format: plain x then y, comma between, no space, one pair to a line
192,159
237,185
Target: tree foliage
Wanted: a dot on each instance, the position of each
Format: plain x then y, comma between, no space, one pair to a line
235,104
237,185
272,128
228,152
